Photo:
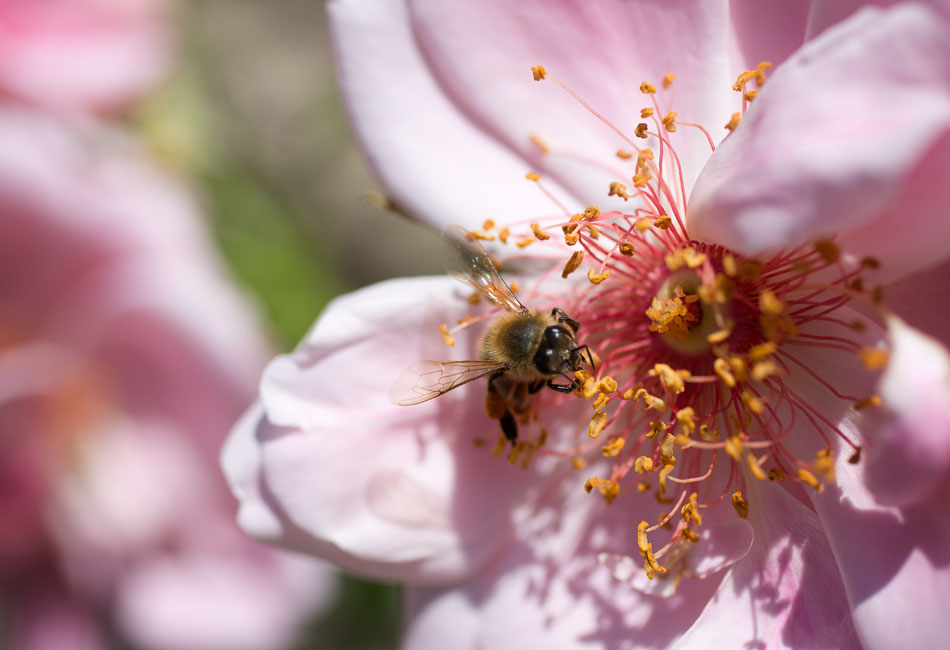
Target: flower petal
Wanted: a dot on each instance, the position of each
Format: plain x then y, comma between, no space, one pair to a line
895,564
336,470
922,300
911,454
603,49
850,138
786,593
433,162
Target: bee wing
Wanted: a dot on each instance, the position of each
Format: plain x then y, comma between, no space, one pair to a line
466,260
426,380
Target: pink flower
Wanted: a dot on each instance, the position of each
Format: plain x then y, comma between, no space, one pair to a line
759,400
82,55
125,355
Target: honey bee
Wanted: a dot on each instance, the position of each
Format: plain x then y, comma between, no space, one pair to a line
522,351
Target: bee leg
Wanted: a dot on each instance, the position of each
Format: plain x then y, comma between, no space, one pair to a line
590,358
509,427
562,388
563,318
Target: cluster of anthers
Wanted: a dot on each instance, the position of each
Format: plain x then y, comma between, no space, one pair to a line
693,343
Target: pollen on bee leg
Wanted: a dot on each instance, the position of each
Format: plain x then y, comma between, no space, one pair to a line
597,424
446,336
495,406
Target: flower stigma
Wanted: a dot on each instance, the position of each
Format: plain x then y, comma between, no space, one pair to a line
694,344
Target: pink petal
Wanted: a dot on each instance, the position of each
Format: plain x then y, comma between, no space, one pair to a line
922,300
786,593
603,49
894,563
336,470
82,55
547,590
911,454
432,161
851,137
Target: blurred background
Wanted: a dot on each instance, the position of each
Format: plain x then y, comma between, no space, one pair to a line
219,124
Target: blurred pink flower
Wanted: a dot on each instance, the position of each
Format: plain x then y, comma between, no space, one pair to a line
125,355
832,183
82,55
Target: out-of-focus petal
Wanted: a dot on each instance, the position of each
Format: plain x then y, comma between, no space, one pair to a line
895,563
82,55
603,49
851,137
398,492
787,593
911,454
922,300
434,162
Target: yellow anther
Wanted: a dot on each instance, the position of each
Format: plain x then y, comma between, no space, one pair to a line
583,376
643,224
514,287
671,379
538,72
641,130
672,316
572,263
762,351
495,405
733,447
719,336
669,121
624,155
873,358
760,72
643,156
877,294
740,504
739,368
722,369
531,176
609,490
775,474
825,465
538,232
607,385
515,452
503,234
663,222
591,212
643,464
591,483
600,402
627,249
474,298
668,79
578,463
594,233
647,89
571,238
540,144
827,250
769,303
690,511
872,401
763,369
488,224
707,434
597,424
755,467
808,478
655,429
500,445
749,95
643,486
613,448
666,471
685,417
473,235
744,270
870,263
688,535
597,278
642,179
446,336
618,189
589,389
752,402
646,112
733,121
743,79
655,403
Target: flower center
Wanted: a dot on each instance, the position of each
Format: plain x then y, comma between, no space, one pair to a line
697,385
